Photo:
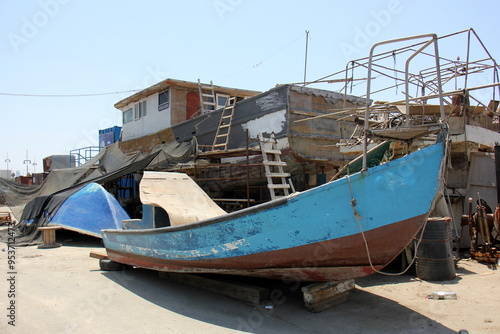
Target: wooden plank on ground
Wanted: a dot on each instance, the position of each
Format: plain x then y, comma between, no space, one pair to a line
236,290
97,255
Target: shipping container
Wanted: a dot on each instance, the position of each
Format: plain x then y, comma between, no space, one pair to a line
109,136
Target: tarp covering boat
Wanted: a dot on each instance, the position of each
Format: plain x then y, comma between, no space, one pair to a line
35,205
90,210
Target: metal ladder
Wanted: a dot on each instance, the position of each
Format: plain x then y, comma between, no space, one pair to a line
221,138
276,177
207,97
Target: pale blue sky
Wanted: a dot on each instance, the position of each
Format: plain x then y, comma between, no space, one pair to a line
64,47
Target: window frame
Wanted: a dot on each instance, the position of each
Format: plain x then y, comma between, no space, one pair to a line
164,105
140,110
219,95
130,118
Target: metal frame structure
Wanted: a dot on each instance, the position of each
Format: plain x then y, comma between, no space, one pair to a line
428,82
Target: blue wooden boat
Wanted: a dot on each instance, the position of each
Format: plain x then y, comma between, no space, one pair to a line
343,229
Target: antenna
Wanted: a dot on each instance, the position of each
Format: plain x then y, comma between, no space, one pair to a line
305,61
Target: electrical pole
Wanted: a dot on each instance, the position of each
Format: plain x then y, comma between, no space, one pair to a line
7,161
27,162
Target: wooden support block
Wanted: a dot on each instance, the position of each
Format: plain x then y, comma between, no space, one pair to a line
321,296
327,303
97,255
236,290
49,236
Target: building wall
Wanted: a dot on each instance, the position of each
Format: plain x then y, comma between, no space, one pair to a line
154,121
5,174
185,103
58,162
178,103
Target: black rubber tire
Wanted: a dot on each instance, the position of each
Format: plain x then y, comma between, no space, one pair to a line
108,265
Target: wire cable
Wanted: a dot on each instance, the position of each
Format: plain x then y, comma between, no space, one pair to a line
68,95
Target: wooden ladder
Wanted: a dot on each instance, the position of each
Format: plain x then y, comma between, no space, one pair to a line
276,177
221,138
207,97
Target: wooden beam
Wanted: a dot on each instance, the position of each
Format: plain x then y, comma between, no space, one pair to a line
97,255
236,290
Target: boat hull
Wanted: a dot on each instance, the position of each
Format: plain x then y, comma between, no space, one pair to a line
339,259
316,235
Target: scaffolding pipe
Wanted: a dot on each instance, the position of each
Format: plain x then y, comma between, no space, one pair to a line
368,86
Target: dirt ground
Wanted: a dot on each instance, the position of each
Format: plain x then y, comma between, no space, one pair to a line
62,290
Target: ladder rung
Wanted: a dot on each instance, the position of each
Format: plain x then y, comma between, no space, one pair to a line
278,186
219,145
277,174
224,126
271,151
275,163
220,136
227,116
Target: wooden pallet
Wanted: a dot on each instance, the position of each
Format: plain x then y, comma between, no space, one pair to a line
5,218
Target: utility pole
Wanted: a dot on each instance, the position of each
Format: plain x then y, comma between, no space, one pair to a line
305,61
7,161
27,162
34,166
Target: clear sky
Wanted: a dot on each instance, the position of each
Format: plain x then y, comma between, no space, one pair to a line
76,47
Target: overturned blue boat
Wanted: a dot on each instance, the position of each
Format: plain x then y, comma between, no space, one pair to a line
89,210
86,209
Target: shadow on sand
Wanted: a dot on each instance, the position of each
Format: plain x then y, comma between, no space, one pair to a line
284,313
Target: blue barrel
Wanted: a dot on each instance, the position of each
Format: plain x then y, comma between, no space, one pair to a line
435,253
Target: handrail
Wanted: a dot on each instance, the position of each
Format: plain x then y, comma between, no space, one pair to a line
433,39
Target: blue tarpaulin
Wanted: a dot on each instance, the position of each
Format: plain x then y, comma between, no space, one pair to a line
90,210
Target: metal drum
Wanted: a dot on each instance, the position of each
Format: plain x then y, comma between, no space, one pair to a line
435,254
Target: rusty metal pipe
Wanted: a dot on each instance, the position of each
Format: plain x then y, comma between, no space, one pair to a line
483,222
433,38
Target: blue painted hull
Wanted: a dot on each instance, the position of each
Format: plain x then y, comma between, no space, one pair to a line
90,210
311,236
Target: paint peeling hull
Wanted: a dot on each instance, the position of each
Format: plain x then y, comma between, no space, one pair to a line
311,236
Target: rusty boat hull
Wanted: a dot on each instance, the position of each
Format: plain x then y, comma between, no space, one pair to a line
344,229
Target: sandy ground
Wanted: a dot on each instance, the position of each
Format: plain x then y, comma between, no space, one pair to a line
62,290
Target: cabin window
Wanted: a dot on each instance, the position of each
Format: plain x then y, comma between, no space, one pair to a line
210,106
221,100
140,110
163,100
128,116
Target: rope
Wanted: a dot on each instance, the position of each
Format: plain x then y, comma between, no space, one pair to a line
357,216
